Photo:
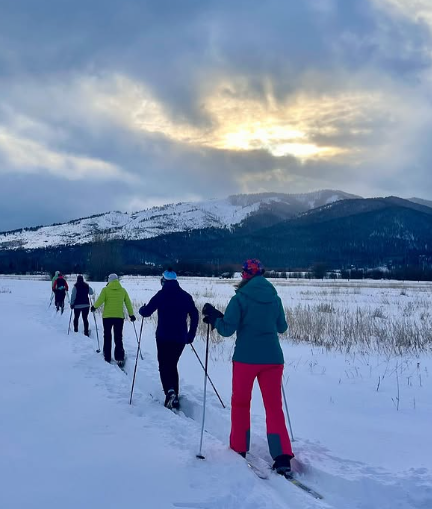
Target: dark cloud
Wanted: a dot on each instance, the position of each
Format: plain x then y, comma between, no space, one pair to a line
173,45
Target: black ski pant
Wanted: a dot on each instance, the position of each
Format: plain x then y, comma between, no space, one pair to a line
85,313
168,356
59,298
117,325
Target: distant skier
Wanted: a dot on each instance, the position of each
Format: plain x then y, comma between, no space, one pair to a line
173,305
80,303
57,272
257,315
56,275
60,287
113,297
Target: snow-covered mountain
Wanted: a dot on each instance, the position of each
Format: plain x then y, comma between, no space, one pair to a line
171,218
421,201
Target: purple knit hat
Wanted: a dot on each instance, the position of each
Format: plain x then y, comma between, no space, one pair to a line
251,268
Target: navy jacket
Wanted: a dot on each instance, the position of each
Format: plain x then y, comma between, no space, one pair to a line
173,305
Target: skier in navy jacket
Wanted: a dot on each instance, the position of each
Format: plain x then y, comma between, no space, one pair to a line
173,305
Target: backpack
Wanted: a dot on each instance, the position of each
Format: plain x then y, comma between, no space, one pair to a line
60,283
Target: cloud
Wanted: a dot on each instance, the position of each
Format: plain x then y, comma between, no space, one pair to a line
26,156
417,10
147,102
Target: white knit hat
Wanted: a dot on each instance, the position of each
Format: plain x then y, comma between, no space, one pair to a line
112,277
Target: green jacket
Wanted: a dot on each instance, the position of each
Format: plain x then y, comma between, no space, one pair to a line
113,296
257,315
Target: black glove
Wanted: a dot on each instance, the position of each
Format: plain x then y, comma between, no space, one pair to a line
211,314
72,306
132,318
207,309
141,310
189,338
92,309
208,320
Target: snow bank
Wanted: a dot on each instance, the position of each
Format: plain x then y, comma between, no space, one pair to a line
70,439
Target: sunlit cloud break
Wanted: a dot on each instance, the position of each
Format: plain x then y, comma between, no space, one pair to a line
237,123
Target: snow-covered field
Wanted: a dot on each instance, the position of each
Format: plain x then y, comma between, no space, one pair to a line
69,438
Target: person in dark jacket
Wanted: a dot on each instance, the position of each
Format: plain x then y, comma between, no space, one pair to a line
173,305
80,303
256,314
60,287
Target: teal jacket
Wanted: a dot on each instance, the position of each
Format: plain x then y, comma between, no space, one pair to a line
257,315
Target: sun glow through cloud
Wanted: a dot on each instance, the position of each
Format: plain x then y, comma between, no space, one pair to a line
238,123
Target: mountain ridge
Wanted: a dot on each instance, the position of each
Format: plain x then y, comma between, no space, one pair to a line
171,218
356,232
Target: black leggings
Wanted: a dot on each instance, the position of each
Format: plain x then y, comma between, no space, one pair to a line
117,325
59,298
85,313
168,356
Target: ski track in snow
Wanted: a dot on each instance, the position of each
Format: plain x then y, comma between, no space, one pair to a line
223,480
160,445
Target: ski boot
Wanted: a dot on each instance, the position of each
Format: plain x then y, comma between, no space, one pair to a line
176,403
282,464
170,398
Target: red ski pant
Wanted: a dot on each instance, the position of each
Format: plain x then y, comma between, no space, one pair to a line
270,382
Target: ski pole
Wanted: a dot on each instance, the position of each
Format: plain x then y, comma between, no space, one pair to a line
136,362
52,295
70,318
288,415
136,335
97,333
208,376
200,454
93,299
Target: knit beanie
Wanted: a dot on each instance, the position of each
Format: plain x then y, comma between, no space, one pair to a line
112,277
251,268
169,275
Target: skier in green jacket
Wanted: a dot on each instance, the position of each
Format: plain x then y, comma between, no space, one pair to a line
114,297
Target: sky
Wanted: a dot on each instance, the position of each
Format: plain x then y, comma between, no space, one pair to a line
123,105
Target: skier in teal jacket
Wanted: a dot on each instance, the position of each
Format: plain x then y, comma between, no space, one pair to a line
256,314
